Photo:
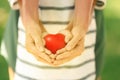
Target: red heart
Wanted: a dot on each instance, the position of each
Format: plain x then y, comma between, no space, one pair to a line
54,42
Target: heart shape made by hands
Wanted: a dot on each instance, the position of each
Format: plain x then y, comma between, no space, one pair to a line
54,42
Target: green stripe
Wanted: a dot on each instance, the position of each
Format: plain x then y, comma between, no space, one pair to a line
55,22
89,32
84,78
86,47
100,3
56,8
26,77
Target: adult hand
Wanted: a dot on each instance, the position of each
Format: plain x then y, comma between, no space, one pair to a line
78,32
34,28
68,36
35,44
80,22
69,55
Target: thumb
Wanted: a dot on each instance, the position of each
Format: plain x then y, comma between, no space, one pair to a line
68,35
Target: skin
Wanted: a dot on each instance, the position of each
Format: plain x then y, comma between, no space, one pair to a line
78,26
74,33
34,29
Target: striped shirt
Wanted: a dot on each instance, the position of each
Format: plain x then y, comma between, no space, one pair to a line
55,15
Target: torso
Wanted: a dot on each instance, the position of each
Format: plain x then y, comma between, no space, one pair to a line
55,15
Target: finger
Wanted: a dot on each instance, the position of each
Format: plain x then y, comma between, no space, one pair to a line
30,46
42,60
43,42
37,38
39,43
32,49
64,60
29,43
63,55
45,56
72,43
68,38
47,51
61,51
67,34
44,34
28,38
72,54
42,56
52,56
77,50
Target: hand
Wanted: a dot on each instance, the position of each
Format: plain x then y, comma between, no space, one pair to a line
73,34
78,32
68,36
35,44
34,28
69,55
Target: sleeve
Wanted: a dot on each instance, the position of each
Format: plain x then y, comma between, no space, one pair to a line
100,4
13,4
9,40
100,42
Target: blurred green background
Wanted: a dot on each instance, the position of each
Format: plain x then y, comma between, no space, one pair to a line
111,69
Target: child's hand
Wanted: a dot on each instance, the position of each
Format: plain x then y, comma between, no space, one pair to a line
68,36
78,33
69,55
35,44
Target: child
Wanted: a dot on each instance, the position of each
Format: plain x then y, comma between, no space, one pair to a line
56,14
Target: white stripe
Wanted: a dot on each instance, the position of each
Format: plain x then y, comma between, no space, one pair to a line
56,3
55,74
90,39
53,29
21,37
92,25
91,77
20,24
52,15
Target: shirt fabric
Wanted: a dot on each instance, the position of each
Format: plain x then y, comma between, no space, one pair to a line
78,68
55,15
